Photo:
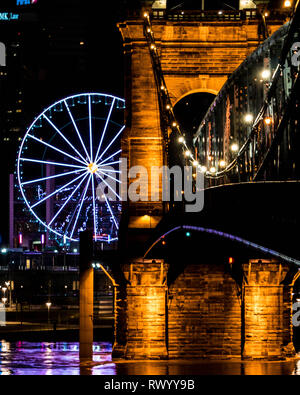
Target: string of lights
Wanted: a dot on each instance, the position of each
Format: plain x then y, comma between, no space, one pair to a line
189,228
163,93
263,116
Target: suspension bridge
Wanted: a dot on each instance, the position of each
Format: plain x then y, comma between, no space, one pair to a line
217,284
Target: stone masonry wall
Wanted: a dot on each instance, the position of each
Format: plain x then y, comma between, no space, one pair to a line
268,315
204,314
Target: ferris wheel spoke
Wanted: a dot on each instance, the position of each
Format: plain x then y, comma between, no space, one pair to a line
94,207
54,148
76,129
109,187
64,138
80,207
67,201
57,191
107,175
111,156
90,128
51,177
105,128
91,154
110,171
43,162
110,164
110,144
110,210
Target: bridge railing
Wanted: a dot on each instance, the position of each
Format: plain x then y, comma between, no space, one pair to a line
250,130
209,15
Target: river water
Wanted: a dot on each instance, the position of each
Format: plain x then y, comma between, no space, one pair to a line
25,358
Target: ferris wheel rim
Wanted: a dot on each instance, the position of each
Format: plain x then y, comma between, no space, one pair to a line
80,168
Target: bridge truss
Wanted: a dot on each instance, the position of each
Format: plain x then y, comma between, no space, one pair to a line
251,130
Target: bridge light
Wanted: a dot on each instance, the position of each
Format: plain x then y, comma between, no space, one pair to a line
174,124
153,47
266,74
181,139
222,163
188,154
213,170
287,4
149,30
234,147
146,15
168,107
162,88
195,163
220,12
248,118
268,121
188,234
203,169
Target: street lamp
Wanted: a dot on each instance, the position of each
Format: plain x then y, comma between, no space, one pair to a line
234,147
249,118
266,74
9,287
48,304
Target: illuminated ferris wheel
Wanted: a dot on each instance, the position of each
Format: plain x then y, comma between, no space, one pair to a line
68,166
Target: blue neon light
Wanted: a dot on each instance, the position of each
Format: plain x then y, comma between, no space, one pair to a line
26,2
9,16
226,236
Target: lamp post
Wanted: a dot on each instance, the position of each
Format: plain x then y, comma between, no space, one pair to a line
4,289
48,304
9,285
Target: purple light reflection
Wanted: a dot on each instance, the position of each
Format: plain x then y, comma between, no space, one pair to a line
24,358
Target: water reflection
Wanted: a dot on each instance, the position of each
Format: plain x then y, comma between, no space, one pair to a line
24,358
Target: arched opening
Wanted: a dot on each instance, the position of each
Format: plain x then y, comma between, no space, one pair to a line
189,112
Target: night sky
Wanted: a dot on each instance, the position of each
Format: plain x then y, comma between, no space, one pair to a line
54,65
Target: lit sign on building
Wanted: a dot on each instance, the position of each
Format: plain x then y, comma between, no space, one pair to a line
26,2
9,16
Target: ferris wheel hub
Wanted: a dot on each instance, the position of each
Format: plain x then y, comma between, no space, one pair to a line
93,168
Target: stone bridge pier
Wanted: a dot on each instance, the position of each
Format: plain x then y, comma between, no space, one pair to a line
210,311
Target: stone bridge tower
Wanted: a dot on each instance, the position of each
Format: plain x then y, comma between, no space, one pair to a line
198,53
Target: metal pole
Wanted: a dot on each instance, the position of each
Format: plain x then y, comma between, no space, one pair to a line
11,211
86,290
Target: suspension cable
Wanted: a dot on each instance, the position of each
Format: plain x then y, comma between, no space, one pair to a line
168,116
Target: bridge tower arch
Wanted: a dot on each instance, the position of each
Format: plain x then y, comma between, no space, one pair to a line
197,54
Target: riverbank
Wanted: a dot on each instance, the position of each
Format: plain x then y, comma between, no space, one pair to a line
32,332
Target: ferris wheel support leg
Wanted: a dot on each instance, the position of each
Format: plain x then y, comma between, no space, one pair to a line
86,289
49,203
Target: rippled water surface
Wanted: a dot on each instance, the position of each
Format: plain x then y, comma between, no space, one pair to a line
24,358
